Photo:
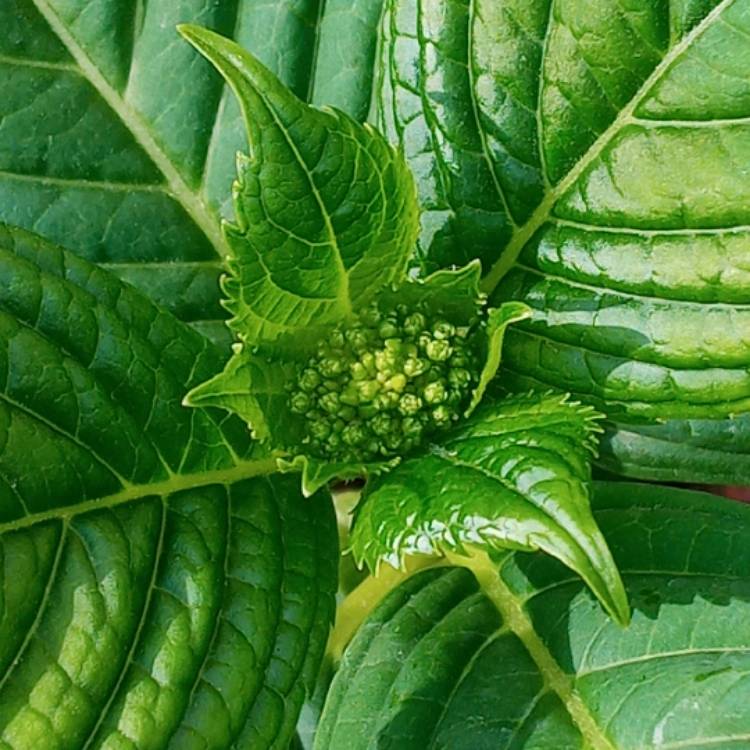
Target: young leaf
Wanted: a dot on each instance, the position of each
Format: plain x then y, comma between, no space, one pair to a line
515,475
498,320
147,566
119,142
252,387
326,210
613,191
526,658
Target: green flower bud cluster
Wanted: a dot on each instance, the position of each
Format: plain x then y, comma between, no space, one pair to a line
376,389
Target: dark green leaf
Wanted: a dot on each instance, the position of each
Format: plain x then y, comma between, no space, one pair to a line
118,142
427,87
515,475
565,143
156,588
531,661
696,451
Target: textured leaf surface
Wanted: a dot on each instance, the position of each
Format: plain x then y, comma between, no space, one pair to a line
618,138
695,451
156,590
118,142
426,91
326,210
515,475
535,663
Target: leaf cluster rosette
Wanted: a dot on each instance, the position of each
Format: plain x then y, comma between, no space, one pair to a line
326,220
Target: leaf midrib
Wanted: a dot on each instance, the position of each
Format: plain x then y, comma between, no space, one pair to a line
521,625
343,295
544,210
191,202
175,483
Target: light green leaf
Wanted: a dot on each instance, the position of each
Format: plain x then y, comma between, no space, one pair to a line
451,292
604,145
118,142
317,473
529,661
252,387
326,210
498,320
148,567
515,475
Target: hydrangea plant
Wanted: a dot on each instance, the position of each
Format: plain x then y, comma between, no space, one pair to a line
343,363
162,583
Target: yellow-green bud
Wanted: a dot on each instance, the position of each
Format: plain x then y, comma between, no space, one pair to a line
381,424
415,324
389,329
414,367
434,393
309,380
439,350
300,403
441,415
396,383
354,434
443,330
459,377
330,402
409,404
368,389
320,429
330,367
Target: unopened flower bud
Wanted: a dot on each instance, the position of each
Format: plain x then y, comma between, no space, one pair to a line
309,380
330,402
439,350
459,377
409,404
443,330
434,393
415,324
300,403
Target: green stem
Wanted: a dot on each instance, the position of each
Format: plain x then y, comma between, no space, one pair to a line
358,605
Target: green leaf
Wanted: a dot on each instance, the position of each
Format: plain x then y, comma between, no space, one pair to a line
695,451
118,141
498,320
615,191
531,661
345,55
326,209
157,588
515,475
317,473
428,99
252,387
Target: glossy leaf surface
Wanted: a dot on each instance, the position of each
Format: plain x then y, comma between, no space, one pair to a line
695,451
118,141
533,662
157,590
599,150
515,475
